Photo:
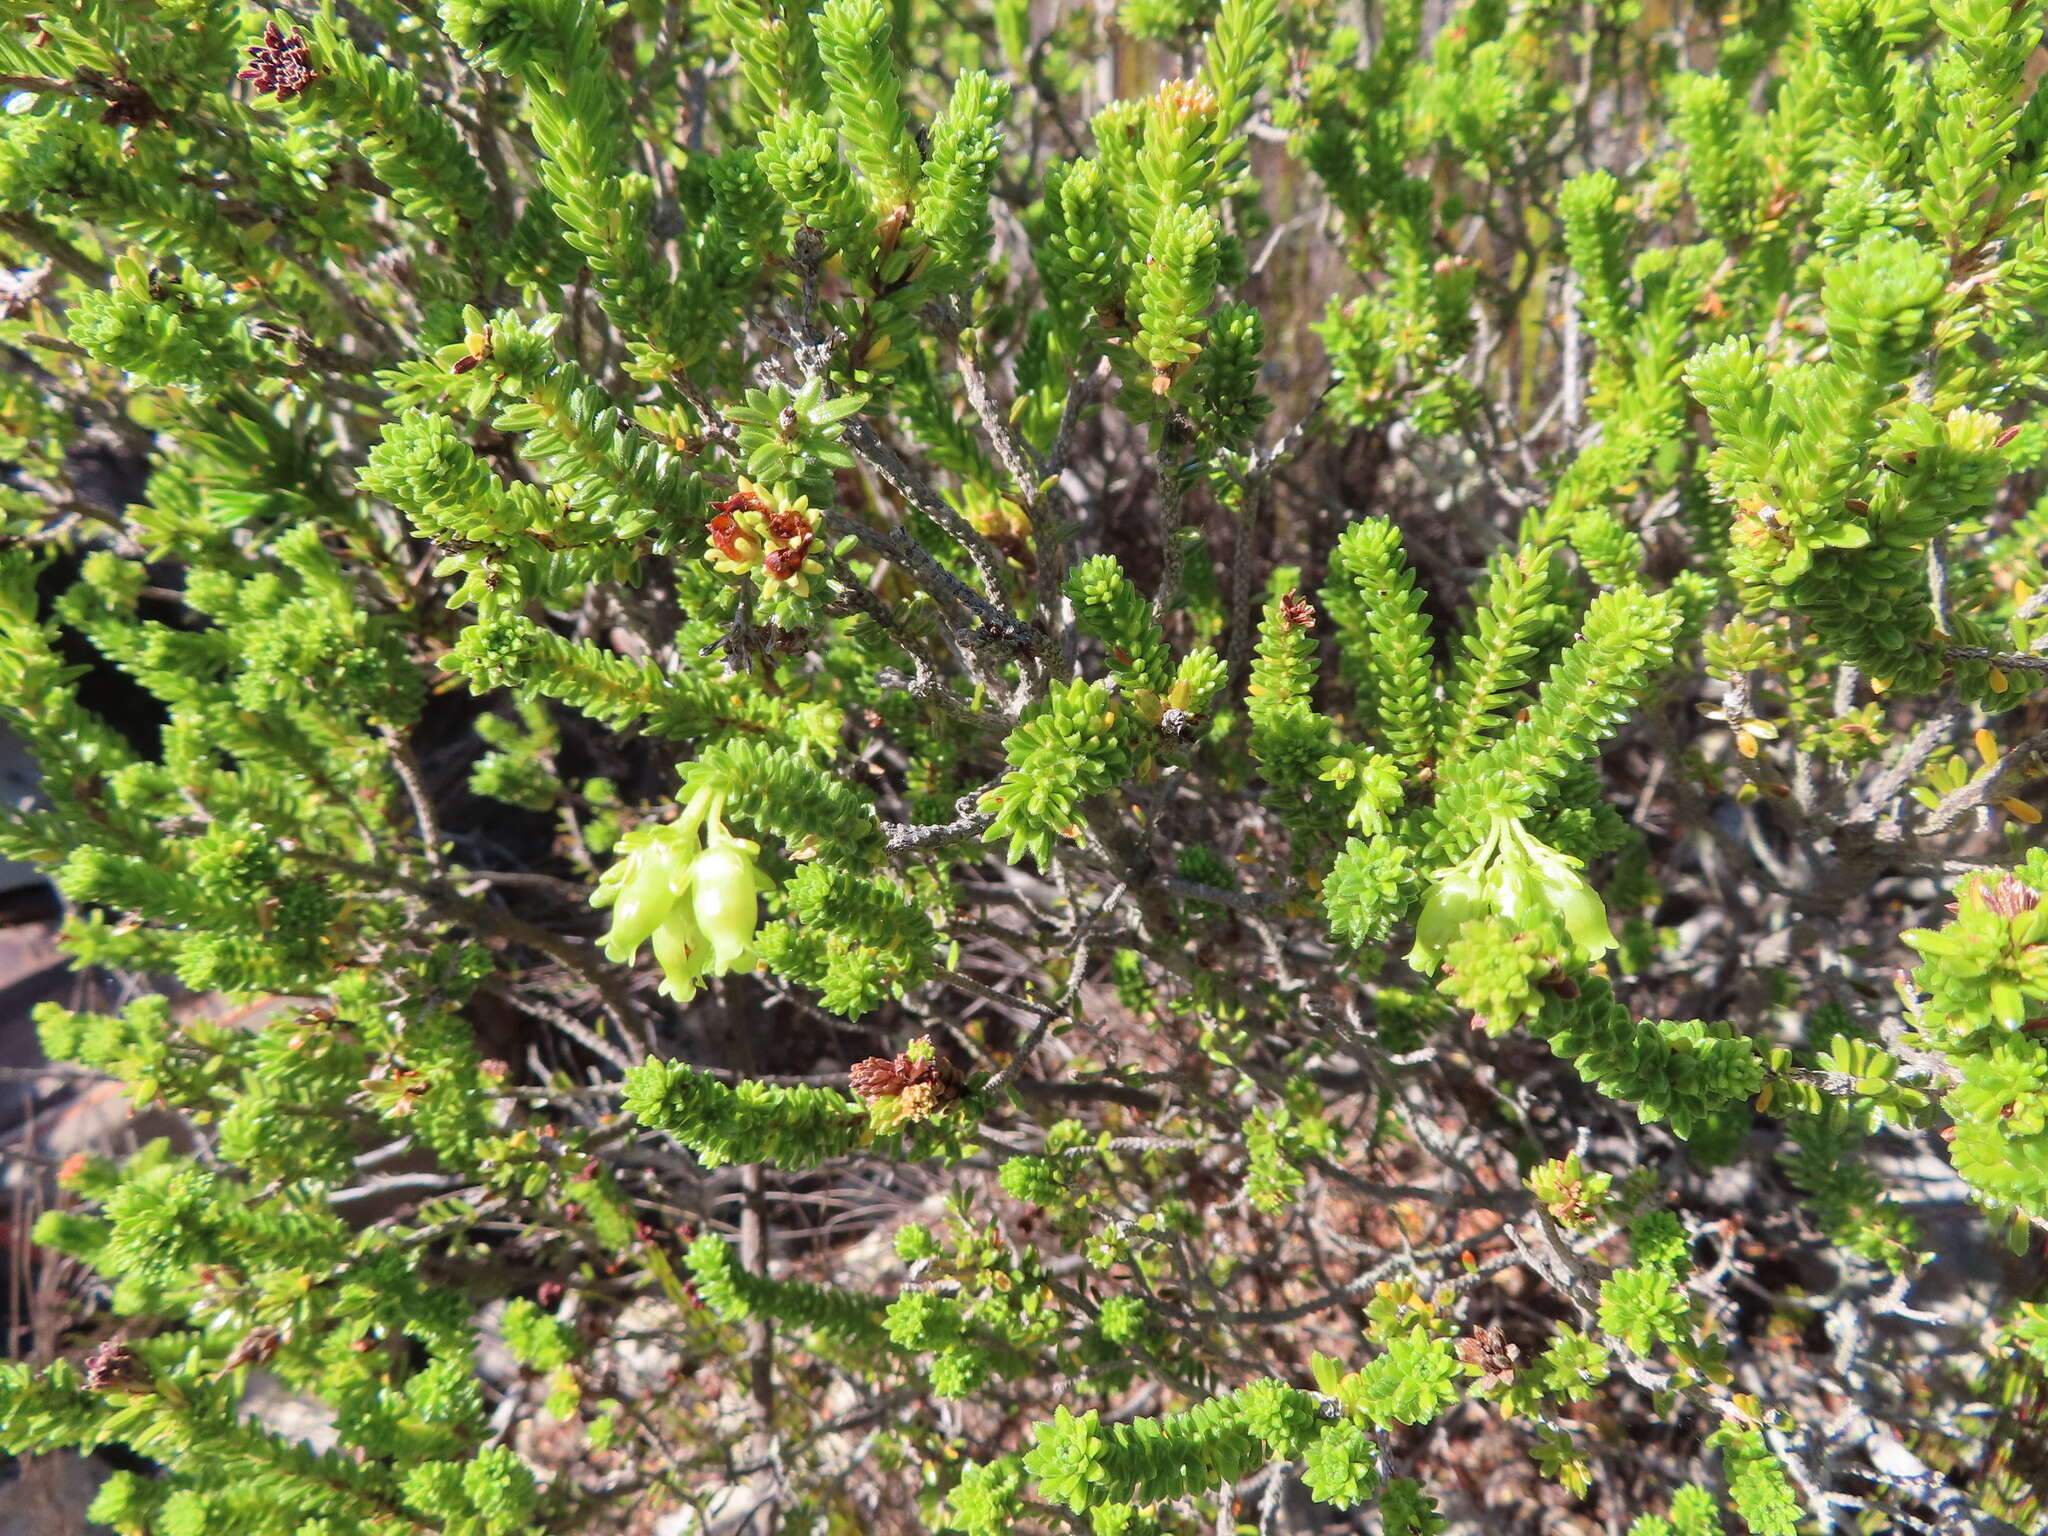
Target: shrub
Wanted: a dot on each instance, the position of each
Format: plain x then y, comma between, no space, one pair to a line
766,627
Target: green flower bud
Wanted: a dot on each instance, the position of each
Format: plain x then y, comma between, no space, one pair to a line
1584,916
725,900
683,953
1460,897
642,887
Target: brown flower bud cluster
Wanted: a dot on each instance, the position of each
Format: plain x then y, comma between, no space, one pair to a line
2011,897
279,65
920,1080
1489,1349
259,1346
1296,611
115,1367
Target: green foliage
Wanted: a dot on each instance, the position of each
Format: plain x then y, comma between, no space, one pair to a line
833,715
1983,975
1397,708
1108,608
721,1123
1677,1071
1288,738
1342,1466
1081,1463
1643,1308
857,941
1405,1510
1757,1484
535,1338
735,1295
853,43
1069,750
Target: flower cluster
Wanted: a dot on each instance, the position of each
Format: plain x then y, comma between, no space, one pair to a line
1533,887
278,66
914,1086
693,888
1489,1353
757,529
116,1367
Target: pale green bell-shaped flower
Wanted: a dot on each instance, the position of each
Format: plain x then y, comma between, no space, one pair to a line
1533,886
693,889
1518,893
1458,897
1579,908
643,887
1585,919
683,953
725,899
1566,893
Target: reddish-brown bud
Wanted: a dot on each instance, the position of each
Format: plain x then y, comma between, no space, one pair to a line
1489,1349
876,1078
2010,897
114,1367
740,501
726,535
279,65
256,1347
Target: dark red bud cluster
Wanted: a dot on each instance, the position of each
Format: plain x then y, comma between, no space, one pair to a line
279,65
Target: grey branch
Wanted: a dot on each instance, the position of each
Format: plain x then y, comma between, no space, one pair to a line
904,837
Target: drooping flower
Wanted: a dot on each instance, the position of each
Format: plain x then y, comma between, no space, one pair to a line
1527,883
725,901
643,887
1458,897
693,889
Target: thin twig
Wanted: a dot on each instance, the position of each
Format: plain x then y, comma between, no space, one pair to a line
865,441
407,768
968,827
